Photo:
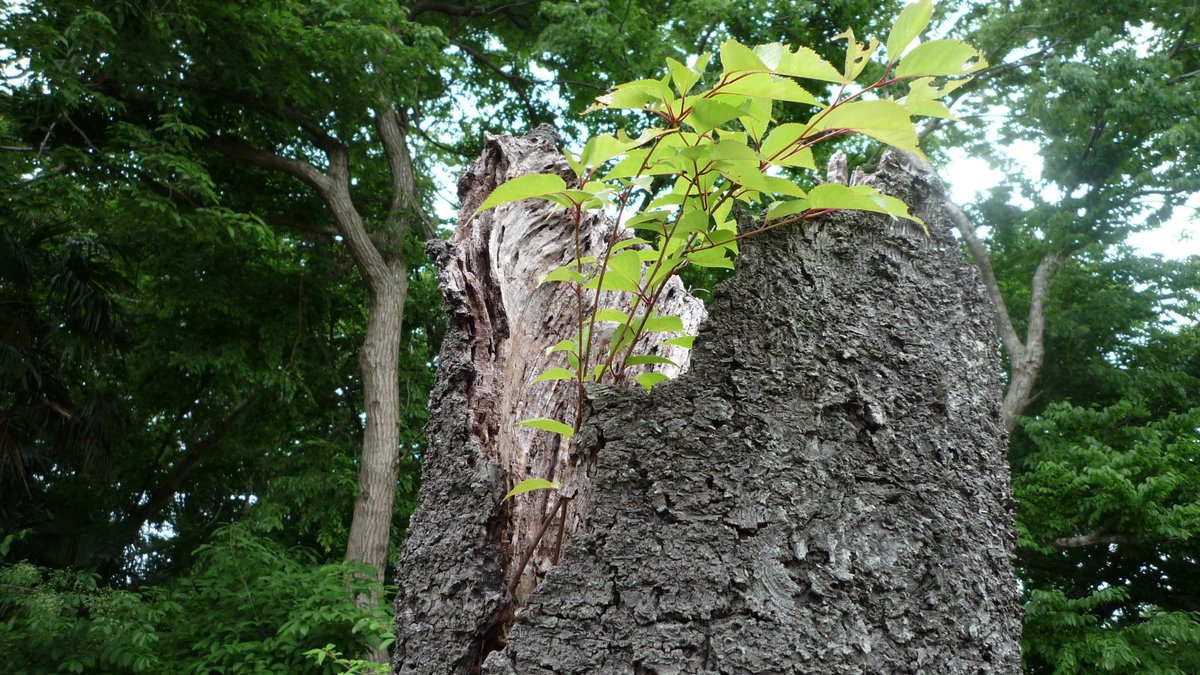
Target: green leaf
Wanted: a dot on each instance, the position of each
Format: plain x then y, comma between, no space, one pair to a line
942,57
805,63
736,56
685,341
757,117
783,209
912,21
923,94
885,121
563,273
709,114
600,149
764,85
683,77
611,315
624,272
553,374
782,137
563,346
629,166
663,324
857,54
523,187
547,424
636,95
648,380
529,485
859,198
649,359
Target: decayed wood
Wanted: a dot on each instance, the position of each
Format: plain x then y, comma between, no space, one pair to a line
464,548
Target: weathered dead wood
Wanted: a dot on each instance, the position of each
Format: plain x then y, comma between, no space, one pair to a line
464,548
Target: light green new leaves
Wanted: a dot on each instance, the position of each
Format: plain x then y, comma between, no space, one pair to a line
801,62
529,485
736,56
912,21
858,198
522,187
942,57
547,424
857,55
683,77
885,121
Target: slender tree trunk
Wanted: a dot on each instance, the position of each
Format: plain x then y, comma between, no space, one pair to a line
370,527
822,491
1025,358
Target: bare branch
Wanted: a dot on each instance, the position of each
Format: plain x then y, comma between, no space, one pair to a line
402,206
1090,539
1008,333
238,149
516,82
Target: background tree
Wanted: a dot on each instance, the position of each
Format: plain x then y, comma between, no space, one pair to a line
158,286
1099,341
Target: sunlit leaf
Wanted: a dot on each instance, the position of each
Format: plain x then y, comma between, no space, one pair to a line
564,273
736,56
611,315
857,54
785,136
547,424
649,359
708,114
685,341
806,63
663,324
912,21
941,57
683,77
552,374
648,380
783,209
523,187
529,485
885,121
859,198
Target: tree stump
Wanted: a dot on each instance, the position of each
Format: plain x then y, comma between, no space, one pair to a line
823,490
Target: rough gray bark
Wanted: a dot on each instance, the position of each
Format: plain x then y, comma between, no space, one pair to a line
457,578
824,491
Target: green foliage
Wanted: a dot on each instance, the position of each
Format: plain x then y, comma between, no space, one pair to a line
1076,636
247,606
719,146
61,621
284,604
1116,486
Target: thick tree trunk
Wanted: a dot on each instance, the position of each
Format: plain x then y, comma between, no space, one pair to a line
823,491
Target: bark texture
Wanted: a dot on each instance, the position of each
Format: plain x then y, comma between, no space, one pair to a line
823,491
457,578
